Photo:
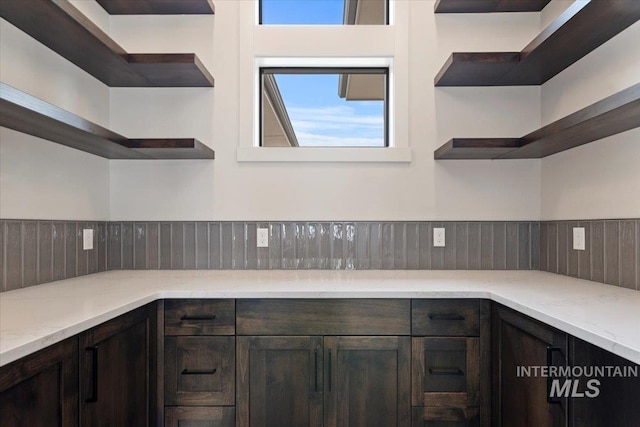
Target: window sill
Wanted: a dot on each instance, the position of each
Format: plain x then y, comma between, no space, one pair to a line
323,154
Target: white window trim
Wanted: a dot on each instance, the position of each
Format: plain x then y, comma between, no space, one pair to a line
391,153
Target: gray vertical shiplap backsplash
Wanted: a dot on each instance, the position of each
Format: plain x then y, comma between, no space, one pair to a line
611,255
33,252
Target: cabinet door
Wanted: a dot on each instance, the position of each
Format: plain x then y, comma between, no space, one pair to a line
367,381
279,382
523,400
41,390
115,364
193,416
617,403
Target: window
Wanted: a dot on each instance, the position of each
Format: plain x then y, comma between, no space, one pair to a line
324,107
323,12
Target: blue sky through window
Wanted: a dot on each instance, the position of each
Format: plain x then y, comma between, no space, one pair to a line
321,118
302,12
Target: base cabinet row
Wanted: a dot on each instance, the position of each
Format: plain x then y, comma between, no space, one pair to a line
273,363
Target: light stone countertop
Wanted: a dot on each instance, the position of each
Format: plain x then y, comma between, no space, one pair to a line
34,318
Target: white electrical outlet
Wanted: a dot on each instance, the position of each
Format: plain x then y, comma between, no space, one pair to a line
87,239
262,240
579,240
438,238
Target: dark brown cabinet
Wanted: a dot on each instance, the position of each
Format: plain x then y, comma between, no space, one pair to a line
367,381
327,363
116,371
617,402
522,398
41,390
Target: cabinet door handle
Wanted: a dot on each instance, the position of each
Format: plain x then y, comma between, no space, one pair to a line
446,316
550,351
198,371
315,369
187,318
445,371
329,369
94,374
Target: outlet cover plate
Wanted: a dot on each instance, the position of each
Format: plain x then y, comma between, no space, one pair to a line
87,239
579,239
262,238
438,238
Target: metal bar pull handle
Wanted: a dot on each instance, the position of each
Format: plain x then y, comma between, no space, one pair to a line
94,374
329,370
187,318
198,371
446,316
445,371
315,369
550,351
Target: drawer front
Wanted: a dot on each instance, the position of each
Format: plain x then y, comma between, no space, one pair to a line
199,317
323,317
446,372
199,417
445,417
446,317
200,370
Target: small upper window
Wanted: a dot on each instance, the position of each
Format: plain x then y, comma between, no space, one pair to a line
324,12
324,107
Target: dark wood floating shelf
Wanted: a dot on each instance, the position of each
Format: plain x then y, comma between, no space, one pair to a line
65,30
158,7
486,6
579,30
25,113
618,113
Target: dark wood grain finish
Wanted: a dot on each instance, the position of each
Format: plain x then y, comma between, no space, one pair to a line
178,416
116,371
367,381
199,317
476,148
521,341
183,148
200,371
445,417
615,114
65,30
323,317
446,372
279,382
617,403
41,390
25,113
488,6
158,7
445,317
579,30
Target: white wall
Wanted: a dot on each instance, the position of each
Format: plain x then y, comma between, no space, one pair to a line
600,179
226,189
40,179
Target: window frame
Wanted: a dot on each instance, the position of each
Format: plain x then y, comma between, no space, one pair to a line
387,15
310,70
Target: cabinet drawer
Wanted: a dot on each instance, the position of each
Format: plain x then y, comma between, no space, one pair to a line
446,372
445,417
200,370
323,317
199,317
446,317
199,417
